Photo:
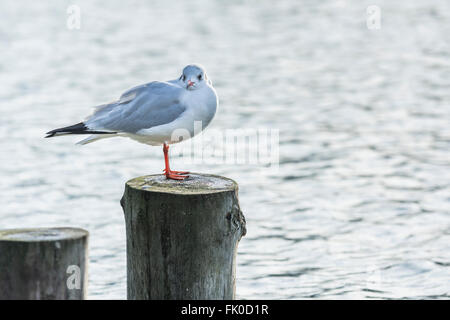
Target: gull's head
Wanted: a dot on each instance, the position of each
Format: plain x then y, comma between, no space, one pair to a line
194,77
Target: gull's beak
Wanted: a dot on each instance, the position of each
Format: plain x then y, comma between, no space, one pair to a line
190,83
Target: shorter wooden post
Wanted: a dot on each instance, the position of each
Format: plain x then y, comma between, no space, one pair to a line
182,237
43,264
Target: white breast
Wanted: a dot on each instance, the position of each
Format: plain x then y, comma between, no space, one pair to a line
201,106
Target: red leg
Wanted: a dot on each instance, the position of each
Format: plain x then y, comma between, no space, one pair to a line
171,174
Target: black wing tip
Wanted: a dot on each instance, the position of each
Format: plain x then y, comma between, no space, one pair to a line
79,128
76,128
51,133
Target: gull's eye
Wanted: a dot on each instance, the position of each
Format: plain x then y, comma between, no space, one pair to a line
199,77
183,77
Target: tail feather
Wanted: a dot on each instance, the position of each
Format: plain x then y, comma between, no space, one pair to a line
79,128
94,138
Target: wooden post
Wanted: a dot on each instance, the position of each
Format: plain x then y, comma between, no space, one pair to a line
43,264
182,237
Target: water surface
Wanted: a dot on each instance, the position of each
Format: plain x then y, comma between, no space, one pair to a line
360,205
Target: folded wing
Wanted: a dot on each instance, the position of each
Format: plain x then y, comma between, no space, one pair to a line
146,106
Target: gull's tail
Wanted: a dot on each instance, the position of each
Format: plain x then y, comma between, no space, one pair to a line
79,128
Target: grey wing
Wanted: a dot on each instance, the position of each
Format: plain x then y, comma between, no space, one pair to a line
142,107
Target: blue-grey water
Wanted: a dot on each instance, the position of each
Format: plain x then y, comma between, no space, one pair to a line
360,205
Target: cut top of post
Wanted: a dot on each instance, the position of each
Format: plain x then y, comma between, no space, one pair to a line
195,184
42,234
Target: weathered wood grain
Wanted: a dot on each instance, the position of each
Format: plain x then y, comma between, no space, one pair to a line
182,237
43,264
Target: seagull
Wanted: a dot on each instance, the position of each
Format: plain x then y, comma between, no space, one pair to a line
153,113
